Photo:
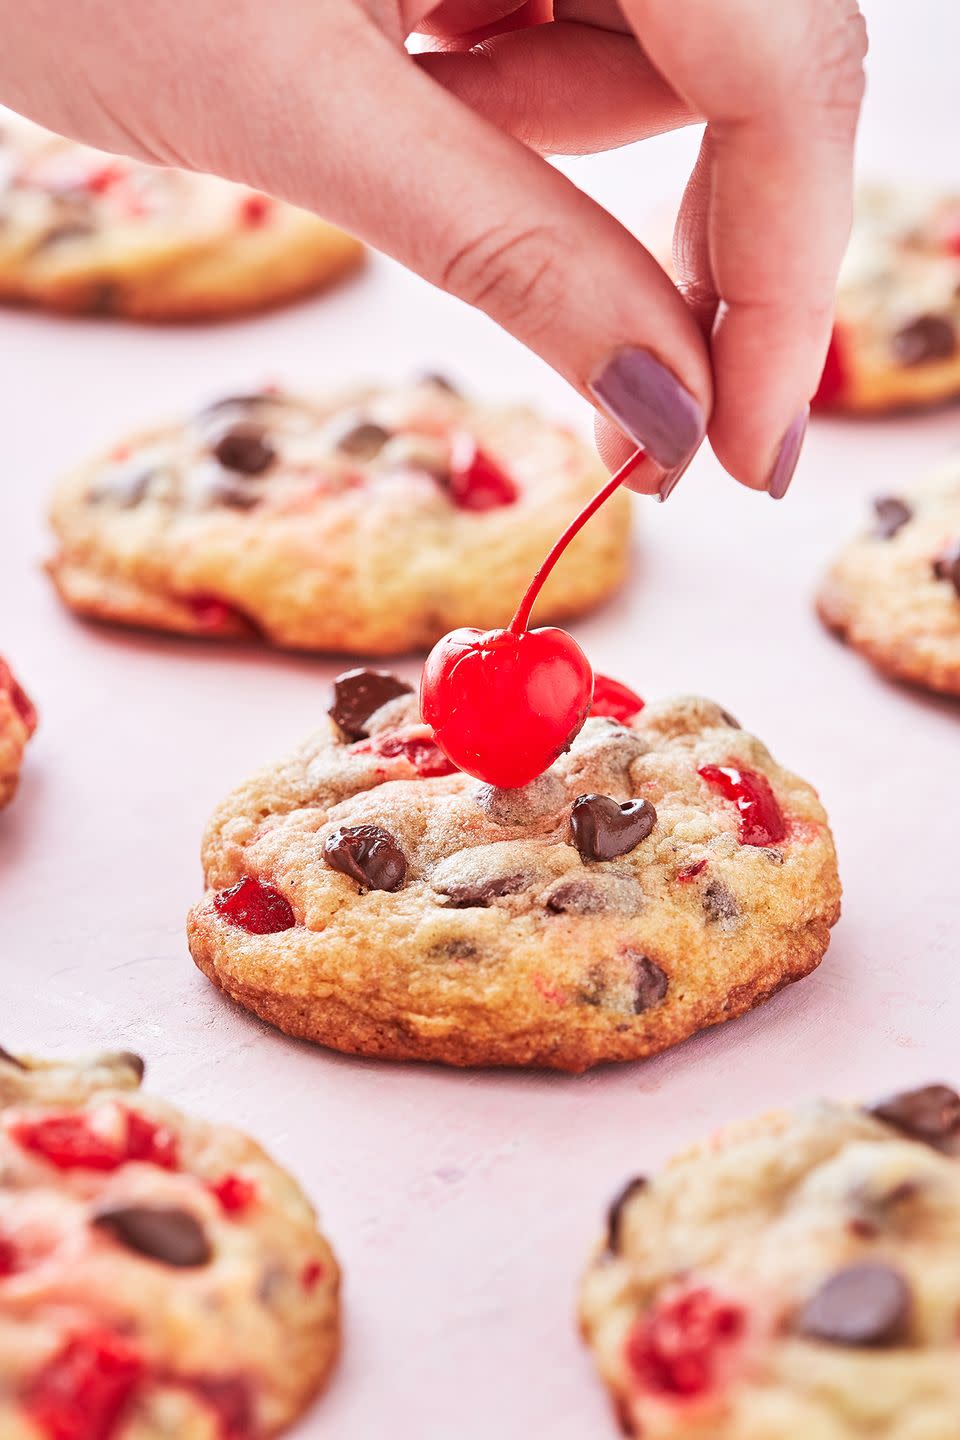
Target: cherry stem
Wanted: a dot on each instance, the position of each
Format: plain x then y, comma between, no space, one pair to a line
521,619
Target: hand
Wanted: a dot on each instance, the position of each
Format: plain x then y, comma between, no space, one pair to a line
435,160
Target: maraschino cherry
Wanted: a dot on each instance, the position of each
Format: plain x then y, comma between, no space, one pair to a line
504,704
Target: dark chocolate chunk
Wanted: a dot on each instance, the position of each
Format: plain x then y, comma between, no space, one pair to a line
892,514
369,855
650,983
947,566
602,829
930,1114
8,1059
158,1232
66,230
731,720
928,337
245,448
718,902
356,694
576,897
132,1061
440,382
864,1305
462,897
616,1207
234,494
251,402
363,441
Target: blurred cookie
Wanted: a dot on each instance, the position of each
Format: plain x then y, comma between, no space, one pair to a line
894,593
84,231
159,1276
796,1277
664,875
18,721
372,524
896,340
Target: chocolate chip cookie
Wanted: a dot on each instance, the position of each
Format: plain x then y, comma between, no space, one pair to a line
18,721
894,593
797,1278
896,340
665,874
85,231
159,1276
371,524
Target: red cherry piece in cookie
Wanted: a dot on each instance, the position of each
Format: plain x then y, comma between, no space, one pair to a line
311,1275
504,705
8,1258
415,745
255,907
833,381
613,700
104,1140
83,1391
231,1402
18,697
475,481
213,614
255,210
235,1193
674,1349
761,819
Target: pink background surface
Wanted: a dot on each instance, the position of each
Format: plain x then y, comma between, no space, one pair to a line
462,1205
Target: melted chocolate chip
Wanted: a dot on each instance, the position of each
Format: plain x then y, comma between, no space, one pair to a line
234,494
891,515
576,897
947,566
928,337
602,829
464,897
369,855
718,903
616,1208
245,448
356,694
863,1305
650,983
930,1114
363,441
158,1232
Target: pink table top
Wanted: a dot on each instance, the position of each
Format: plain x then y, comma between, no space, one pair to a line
463,1205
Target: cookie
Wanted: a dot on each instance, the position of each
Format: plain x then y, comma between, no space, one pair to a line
894,593
18,721
664,875
896,339
159,1276
84,231
797,1277
371,524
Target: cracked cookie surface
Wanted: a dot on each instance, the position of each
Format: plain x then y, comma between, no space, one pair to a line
664,875
18,721
81,230
159,1276
894,592
794,1278
369,524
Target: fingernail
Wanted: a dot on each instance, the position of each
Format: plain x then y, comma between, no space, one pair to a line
787,456
649,403
672,479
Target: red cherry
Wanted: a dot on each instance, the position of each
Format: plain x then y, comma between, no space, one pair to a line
415,745
8,1258
255,907
674,1348
82,1392
691,872
232,1404
70,1140
234,1192
213,614
761,819
833,381
614,700
254,210
475,481
504,705
311,1275
18,697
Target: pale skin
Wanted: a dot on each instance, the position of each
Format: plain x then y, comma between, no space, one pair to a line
437,159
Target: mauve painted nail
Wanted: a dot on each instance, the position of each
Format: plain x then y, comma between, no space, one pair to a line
651,405
787,456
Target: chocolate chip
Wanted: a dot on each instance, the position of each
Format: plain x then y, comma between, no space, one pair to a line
130,1061
892,514
718,903
616,1208
930,1114
650,983
245,448
439,382
928,337
864,1305
356,694
363,441
576,897
602,829
464,897
9,1059
947,566
253,401
594,895
67,230
731,720
158,1232
367,854
234,494
125,487
519,806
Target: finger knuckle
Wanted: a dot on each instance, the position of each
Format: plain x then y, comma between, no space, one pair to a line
512,272
837,61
